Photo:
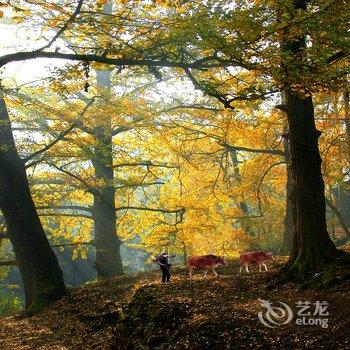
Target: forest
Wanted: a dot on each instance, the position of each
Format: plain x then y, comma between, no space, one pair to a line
215,131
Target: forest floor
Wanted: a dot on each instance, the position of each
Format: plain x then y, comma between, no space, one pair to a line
138,312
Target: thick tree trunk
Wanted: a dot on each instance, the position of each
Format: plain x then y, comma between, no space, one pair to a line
312,247
108,260
41,273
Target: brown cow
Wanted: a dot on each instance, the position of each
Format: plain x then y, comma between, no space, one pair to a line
257,258
205,262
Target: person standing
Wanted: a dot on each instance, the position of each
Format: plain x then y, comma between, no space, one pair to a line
162,261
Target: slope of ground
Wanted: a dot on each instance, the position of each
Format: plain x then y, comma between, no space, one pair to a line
138,312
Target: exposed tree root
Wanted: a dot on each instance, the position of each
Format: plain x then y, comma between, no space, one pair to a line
310,272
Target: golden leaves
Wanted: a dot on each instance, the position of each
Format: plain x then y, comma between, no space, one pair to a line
18,19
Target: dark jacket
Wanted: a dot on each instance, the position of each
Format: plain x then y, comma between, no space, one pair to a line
162,261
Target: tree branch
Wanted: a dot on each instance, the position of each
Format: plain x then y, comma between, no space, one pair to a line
51,144
336,57
29,55
145,163
72,244
141,184
213,109
339,216
92,190
182,210
258,193
261,181
65,207
212,92
4,235
33,163
253,150
64,27
124,128
60,136
9,263
68,215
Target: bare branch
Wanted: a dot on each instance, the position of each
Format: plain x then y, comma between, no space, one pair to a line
337,56
124,128
151,209
72,244
51,144
65,207
35,162
141,184
147,164
78,215
339,216
64,27
260,214
198,131
212,92
60,136
4,235
92,190
261,181
253,150
29,55
205,108
9,263
282,107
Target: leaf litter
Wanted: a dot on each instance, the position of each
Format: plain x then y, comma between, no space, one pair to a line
138,312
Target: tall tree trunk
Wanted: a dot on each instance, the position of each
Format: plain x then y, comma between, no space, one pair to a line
312,247
347,115
108,260
42,276
245,222
288,218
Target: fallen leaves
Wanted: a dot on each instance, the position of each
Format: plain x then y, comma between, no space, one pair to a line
138,312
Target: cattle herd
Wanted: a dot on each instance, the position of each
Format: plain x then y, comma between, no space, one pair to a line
210,262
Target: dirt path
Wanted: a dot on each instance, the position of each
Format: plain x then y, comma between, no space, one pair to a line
137,312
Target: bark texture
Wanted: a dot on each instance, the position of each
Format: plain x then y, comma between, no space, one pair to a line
245,222
108,260
312,247
42,276
288,219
